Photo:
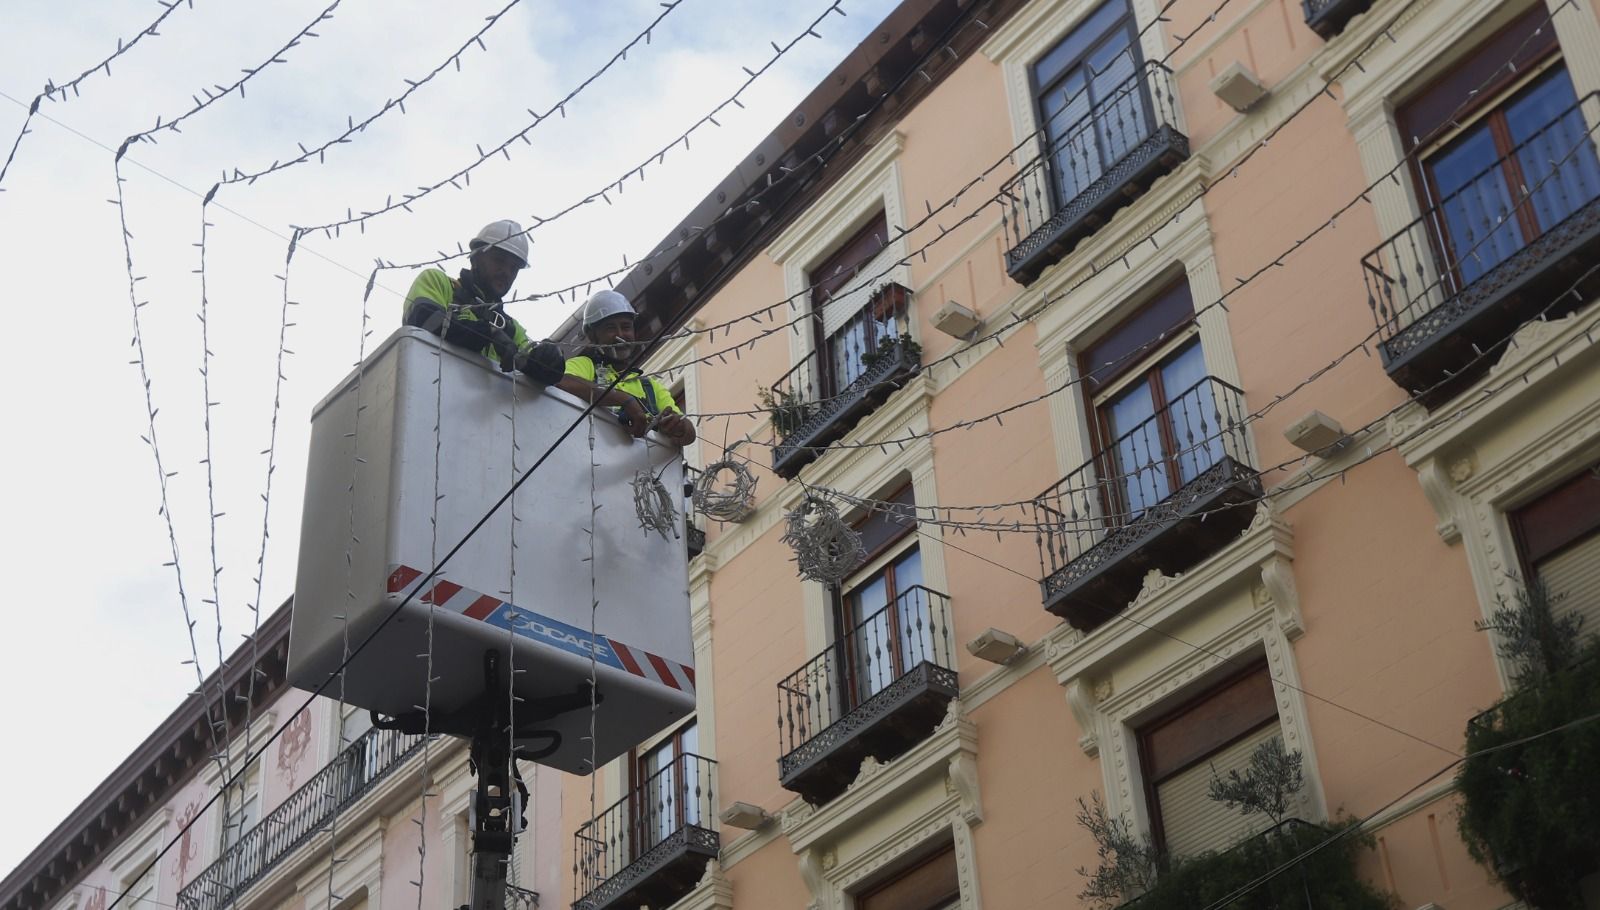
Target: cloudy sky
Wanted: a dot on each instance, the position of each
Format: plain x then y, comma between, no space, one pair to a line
93,658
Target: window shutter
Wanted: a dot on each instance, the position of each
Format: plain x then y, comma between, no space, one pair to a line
1191,820
854,295
1575,573
933,884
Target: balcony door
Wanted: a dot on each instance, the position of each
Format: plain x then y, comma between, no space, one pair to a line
890,628
666,797
1532,143
1156,420
1091,104
850,323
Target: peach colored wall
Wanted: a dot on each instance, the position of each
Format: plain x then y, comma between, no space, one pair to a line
769,878
1030,770
1271,40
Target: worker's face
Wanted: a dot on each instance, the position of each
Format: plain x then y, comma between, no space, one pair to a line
615,334
495,271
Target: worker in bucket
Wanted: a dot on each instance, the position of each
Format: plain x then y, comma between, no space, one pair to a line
639,401
468,310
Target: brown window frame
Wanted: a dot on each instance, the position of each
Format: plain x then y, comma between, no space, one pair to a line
844,609
1149,332
1430,124
1565,516
637,778
1256,710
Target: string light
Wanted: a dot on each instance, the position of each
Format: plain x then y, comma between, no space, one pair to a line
51,90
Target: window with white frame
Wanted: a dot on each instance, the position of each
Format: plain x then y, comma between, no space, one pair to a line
1091,111
855,313
1184,749
140,891
243,807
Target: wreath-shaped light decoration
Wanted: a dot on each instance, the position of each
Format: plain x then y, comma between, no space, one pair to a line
726,490
653,504
825,548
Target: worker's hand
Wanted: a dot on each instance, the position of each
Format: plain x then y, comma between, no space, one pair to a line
675,427
638,421
542,363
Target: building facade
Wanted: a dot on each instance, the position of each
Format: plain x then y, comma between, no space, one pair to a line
1153,383
1287,310
330,814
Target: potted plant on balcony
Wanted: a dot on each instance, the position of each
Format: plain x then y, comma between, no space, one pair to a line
892,347
1134,874
1530,808
787,408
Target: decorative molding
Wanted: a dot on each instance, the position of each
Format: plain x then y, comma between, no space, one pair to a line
1508,442
1263,553
1241,601
932,789
714,892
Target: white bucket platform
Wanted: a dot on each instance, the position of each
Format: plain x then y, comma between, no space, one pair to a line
381,509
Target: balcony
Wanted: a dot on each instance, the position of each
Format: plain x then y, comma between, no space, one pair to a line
1164,495
879,690
650,847
1464,276
521,898
846,377
350,775
1101,163
1329,17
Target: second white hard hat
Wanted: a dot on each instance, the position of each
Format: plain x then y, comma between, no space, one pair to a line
602,305
506,235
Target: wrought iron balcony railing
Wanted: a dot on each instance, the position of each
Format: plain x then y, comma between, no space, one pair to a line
1102,162
694,531
351,774
1488,257
650,847
846,377
879,690
1160,496
1329,17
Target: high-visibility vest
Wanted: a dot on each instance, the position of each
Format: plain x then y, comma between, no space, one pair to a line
435,285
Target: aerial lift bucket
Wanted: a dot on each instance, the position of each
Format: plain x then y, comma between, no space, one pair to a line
408,453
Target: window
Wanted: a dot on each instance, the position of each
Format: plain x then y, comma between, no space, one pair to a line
1179,752
1523,135
243,807
141,891
359,762
856,315
667,794
1558,538
932,884
1091,108
1154,415
885,611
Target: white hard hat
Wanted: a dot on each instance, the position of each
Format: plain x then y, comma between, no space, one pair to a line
506,235
602,305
